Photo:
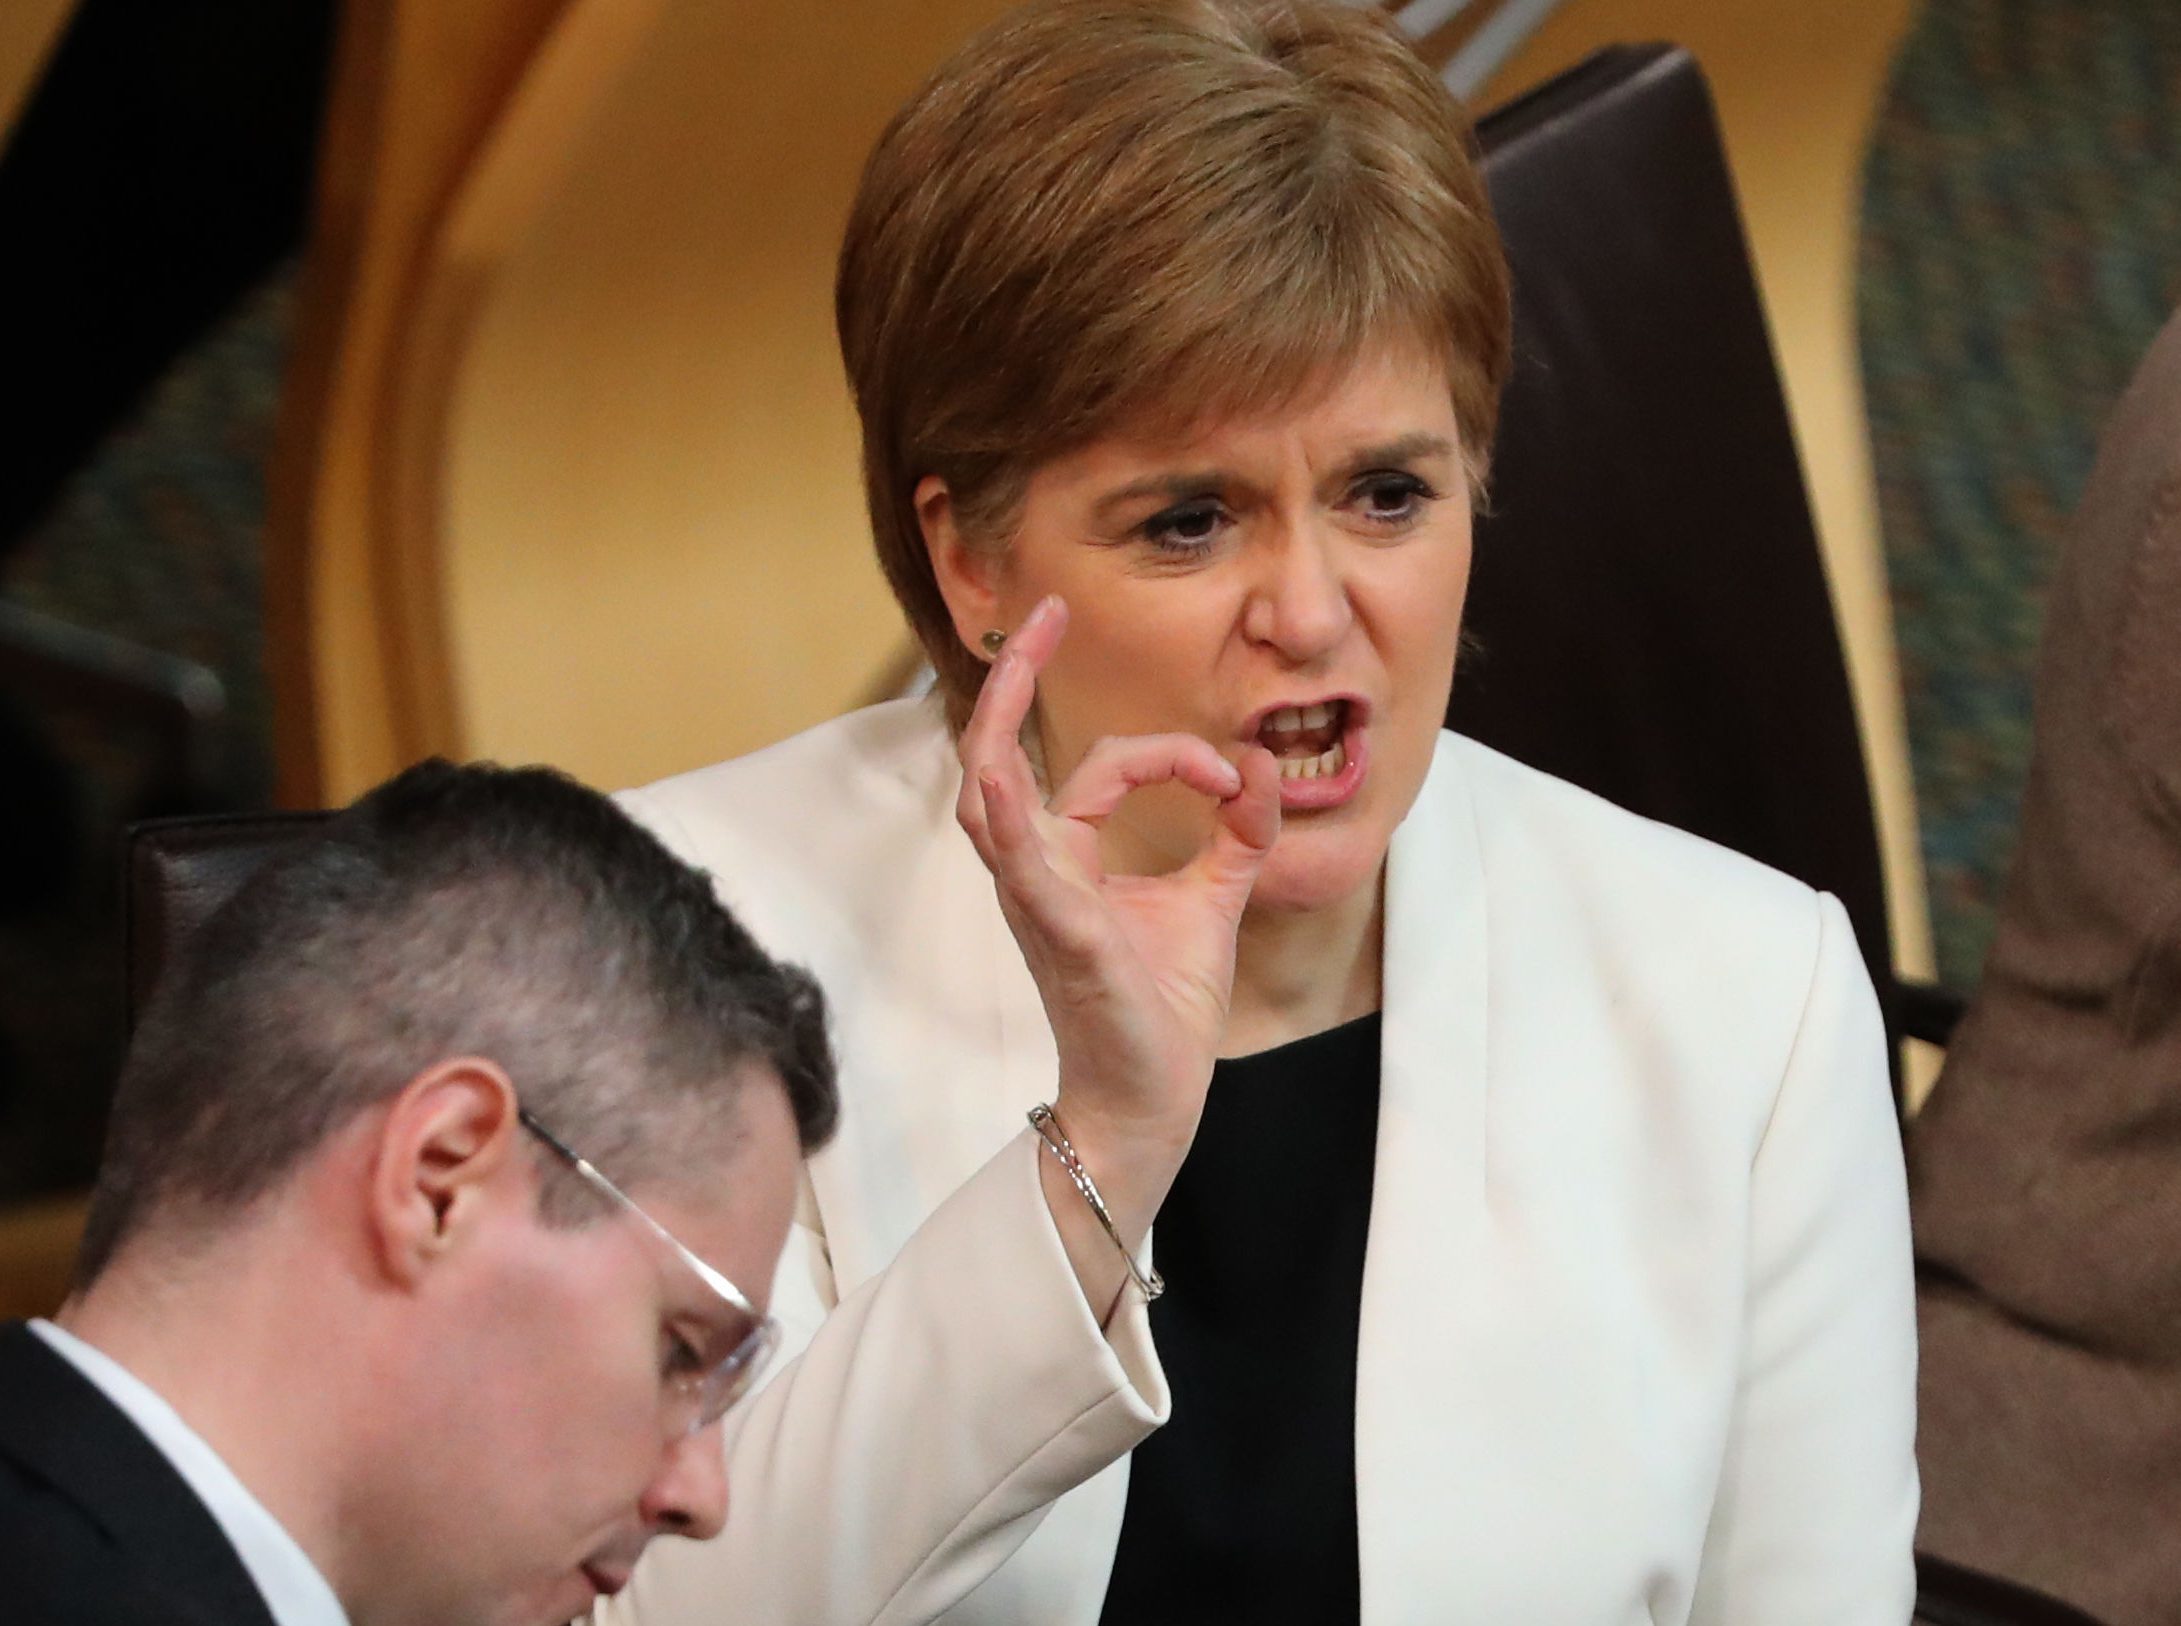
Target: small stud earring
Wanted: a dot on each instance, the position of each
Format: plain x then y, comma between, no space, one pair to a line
992,642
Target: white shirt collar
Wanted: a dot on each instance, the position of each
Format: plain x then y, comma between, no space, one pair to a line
292,1588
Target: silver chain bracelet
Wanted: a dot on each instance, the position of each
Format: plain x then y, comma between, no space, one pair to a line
1056,1141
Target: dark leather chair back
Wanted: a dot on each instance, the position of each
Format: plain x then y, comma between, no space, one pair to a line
1648,591
179,871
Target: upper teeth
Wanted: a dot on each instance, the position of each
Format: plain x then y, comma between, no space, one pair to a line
1292,720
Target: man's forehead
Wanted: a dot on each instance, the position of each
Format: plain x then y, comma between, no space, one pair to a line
688,1146
732,1202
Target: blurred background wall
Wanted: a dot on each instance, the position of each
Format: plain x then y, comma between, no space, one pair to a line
655,543
28,30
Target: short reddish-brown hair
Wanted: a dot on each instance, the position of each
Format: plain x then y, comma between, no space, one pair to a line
1150,213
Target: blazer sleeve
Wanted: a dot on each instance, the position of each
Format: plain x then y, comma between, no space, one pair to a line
918,1438
1816,1510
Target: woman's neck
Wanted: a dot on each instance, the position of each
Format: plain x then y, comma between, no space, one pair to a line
1300,972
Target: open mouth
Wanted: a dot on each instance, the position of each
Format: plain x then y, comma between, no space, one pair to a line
1307,741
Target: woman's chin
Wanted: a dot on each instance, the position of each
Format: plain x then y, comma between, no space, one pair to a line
1309,871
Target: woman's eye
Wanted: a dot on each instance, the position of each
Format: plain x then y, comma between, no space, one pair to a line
1185,528
1393,499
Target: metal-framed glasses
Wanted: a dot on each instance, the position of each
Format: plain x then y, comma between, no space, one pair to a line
701,1382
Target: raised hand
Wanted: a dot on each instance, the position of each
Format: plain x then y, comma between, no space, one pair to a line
1135,971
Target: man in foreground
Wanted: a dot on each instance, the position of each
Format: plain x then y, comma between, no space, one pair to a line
409,1291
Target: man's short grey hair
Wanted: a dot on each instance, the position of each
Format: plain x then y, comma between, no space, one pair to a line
509,914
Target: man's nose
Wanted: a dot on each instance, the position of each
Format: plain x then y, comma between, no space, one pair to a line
688,1495
1299,605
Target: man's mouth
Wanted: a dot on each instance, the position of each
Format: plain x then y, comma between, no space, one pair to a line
1307,741
607,1580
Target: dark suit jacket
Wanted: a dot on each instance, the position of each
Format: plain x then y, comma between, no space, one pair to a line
2046,1168
96,1528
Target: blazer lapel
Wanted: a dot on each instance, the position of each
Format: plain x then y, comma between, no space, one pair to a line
61,1429
1428,1203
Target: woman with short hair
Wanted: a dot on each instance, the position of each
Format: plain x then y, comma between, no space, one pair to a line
1529,1203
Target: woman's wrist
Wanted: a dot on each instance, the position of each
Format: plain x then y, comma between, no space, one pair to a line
1132,1163
1055,1139
1133,1157
1155,1130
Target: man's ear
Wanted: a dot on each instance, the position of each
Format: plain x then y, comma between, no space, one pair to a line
442,1148
968,577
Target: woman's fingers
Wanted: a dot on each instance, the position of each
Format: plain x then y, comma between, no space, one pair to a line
1000,799
1040,633
1249,823
992,740
1014,838
1019,863
1113,768
994,731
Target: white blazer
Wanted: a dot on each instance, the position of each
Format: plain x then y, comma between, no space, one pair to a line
1637,1332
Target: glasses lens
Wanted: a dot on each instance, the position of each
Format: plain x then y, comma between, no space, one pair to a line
699,1399
700,1383
738,1374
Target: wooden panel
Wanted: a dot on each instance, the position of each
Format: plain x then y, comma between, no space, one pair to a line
445,128
29,29
657,553
37,1249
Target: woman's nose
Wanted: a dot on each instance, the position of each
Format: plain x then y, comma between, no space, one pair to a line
688,1495
1299,604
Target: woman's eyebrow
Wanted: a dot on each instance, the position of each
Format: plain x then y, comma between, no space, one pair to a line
1180,485
1401,449
1175,487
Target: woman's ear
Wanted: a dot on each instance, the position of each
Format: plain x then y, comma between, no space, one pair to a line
444,1150
968,577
